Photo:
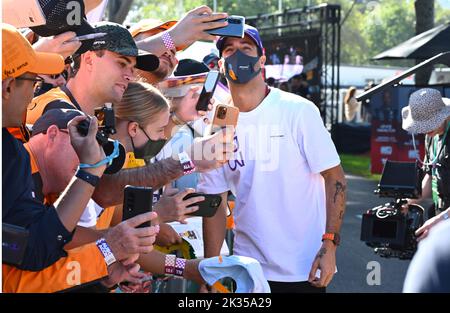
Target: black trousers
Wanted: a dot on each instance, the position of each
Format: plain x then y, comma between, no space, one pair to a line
294,287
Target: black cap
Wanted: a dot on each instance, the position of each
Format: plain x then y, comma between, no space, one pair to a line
190,67
58,117
119,40
58,15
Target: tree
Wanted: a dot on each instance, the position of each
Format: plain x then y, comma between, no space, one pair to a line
118,10
424,22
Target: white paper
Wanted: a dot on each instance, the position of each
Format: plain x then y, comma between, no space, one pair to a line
192,232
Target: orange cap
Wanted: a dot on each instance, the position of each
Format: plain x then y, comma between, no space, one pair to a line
153,27
19,57
147,25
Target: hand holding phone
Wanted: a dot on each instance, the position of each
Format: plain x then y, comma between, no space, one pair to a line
225,115
137,200
235,27
207,207
208,90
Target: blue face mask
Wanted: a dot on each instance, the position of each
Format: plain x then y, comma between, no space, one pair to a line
240,68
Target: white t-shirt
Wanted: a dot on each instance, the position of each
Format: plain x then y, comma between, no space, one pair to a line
90,214
280,212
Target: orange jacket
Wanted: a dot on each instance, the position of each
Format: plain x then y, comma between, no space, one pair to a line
82,265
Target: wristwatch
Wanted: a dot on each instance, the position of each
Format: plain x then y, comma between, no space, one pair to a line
334,237
445,216
87,177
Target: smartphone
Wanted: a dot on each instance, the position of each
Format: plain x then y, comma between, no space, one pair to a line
14,243
208,90
224,116
207,207
136,201
235,27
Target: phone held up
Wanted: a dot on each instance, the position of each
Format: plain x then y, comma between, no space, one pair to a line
207,207
225,115
137,200
235,27
208,90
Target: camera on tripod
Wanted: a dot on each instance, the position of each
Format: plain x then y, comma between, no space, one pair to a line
106,127
385,227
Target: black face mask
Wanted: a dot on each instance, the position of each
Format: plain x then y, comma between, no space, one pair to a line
150,149
239,67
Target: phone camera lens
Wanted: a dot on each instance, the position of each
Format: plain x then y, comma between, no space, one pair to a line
222,113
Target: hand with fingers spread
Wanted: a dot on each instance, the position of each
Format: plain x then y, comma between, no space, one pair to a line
60,44
325,261
184,107
193,26
213,151
171,207
126,240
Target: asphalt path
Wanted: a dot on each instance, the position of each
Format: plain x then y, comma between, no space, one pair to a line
357,270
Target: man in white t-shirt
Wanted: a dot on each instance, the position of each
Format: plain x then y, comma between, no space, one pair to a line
290,188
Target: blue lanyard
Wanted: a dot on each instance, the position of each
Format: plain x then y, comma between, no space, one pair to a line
108,160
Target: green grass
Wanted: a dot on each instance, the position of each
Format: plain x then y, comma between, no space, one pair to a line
358,165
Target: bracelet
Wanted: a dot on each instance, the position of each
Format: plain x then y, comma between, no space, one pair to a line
169,264
186,163
168,42
175,119
104,248
87,177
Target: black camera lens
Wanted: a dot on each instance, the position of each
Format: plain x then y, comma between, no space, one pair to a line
222,113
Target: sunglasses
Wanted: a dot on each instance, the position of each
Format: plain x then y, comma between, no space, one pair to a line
38,81
64,74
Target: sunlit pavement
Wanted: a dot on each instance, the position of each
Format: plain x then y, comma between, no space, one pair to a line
353,256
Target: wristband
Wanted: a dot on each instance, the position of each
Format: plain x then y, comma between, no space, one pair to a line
104,248
186,163
169,264
87,177
168,42
180,265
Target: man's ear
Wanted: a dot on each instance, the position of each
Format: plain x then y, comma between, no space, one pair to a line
52,132
87,59
132,129
221,64
7,85
262,61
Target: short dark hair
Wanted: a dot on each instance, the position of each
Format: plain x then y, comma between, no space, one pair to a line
77,60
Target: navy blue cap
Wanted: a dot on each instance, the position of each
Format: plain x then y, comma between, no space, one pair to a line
58,117
250,31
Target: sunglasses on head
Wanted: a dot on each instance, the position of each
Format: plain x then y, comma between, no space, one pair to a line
56,76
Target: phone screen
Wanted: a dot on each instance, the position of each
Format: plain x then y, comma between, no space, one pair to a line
207,91
211,80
